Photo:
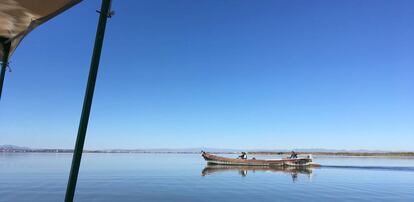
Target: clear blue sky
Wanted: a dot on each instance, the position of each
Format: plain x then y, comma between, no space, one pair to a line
226,74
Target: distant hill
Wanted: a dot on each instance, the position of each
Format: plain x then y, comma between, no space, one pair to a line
12,147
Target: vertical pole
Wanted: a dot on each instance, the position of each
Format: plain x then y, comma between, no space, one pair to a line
5,61
83,124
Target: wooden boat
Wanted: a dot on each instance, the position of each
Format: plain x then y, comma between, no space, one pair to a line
219,160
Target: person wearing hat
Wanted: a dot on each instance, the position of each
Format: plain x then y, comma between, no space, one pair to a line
243,155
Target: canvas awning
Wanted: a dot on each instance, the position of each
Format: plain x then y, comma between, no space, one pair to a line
19,17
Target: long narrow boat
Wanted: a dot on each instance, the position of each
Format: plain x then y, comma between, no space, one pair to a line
219,160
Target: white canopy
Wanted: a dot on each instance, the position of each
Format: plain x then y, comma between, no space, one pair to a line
19,17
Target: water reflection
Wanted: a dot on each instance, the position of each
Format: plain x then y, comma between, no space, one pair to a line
245,170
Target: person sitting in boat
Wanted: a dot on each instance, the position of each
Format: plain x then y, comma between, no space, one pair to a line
293,155
243,155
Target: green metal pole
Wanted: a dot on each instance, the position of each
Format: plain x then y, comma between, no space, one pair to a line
5,61
77,153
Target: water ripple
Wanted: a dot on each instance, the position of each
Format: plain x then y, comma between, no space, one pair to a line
389,168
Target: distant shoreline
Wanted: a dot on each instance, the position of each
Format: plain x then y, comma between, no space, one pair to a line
352,154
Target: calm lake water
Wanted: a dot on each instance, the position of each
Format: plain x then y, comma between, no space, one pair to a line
184,177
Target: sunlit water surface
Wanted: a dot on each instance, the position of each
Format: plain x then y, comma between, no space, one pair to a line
183,177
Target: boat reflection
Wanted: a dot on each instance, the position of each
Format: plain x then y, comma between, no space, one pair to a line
244,170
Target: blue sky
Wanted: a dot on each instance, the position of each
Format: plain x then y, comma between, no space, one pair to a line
226,74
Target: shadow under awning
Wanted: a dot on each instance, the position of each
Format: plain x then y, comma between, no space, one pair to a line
19,17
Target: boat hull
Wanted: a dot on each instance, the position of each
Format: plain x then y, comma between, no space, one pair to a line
219,160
